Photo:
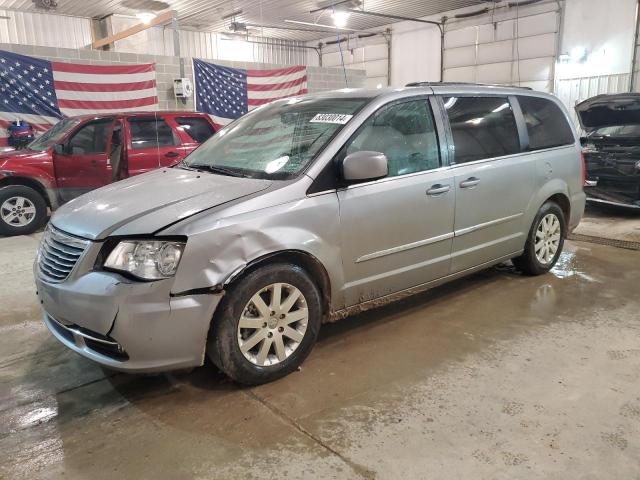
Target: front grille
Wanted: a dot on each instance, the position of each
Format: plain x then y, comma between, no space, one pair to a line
58,254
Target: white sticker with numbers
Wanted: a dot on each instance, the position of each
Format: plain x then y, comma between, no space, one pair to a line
339,118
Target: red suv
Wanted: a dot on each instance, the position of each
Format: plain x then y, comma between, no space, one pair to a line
79,154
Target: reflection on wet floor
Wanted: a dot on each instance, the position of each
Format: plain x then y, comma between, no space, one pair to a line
428,371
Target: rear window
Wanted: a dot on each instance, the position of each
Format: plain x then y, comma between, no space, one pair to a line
197,128
546,124
151,132
482,127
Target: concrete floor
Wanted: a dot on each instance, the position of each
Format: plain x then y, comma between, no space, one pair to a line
494,376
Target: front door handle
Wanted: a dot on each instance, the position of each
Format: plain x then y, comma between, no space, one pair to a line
470,182
171,154
438,189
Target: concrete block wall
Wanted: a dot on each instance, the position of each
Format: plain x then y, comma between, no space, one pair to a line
168,68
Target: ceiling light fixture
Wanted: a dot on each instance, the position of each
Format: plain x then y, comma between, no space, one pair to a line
340,18
145,17
320,25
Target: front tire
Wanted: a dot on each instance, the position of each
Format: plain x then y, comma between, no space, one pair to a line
266,324
544,242
22,210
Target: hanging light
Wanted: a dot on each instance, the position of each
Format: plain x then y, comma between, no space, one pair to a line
340,18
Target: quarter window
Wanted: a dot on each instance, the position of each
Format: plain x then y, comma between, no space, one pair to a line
151,132
91,138
197,128
482,127
405,133
546,124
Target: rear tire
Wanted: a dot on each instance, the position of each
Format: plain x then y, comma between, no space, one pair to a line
22,210
266,324
544,242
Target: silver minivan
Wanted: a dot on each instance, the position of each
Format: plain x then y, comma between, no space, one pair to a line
302,212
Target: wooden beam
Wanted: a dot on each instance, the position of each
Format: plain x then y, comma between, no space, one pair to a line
163,18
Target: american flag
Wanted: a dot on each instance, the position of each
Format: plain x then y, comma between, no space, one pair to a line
42,92
227,93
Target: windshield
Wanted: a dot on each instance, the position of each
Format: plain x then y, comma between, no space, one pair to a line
276,141
617,131
53,135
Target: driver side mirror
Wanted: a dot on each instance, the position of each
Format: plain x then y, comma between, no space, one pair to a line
59,149
364,166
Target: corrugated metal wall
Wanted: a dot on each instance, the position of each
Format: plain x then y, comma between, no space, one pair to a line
574,90
502,49
44,29
636,65
49,30
370,54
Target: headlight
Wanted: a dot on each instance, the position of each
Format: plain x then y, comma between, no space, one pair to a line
146,259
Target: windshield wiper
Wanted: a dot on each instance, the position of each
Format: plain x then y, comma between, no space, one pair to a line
216,169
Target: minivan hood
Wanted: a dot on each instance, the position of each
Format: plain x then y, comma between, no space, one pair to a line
147,203
609,110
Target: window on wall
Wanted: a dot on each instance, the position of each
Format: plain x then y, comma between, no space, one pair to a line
405,133
91,138
546,124
151,132
482,127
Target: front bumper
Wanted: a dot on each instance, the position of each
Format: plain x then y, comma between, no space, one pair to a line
126,325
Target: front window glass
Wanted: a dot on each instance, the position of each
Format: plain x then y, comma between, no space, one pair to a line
482,127
52,136
91,138
276,141
405,133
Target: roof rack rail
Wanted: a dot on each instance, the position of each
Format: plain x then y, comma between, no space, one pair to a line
437,84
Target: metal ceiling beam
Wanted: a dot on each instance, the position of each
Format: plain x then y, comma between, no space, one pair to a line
382,15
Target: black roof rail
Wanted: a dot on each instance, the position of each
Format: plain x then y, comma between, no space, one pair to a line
453,84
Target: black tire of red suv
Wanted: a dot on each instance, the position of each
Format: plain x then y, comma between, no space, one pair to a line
528,263
34,197
223,344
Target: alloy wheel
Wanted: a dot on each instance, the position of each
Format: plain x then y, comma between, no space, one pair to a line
547,238
273,324
17,211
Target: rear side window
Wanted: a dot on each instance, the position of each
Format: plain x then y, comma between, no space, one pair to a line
197,128
482,127
151,132
546,124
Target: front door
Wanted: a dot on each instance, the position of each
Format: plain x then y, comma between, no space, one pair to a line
152,144
397,231
494,183
84,163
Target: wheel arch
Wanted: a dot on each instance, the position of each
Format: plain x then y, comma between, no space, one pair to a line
308,262
563,202
32,183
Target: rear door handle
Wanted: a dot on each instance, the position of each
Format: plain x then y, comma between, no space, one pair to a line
171,154
438,189
470,182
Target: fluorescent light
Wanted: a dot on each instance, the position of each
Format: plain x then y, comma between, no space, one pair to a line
319,25
578,54
340,18
501,107
146,17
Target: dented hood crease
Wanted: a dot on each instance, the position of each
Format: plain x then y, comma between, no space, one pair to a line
147,203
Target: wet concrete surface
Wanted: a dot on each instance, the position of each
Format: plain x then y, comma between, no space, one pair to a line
610,222
493,376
